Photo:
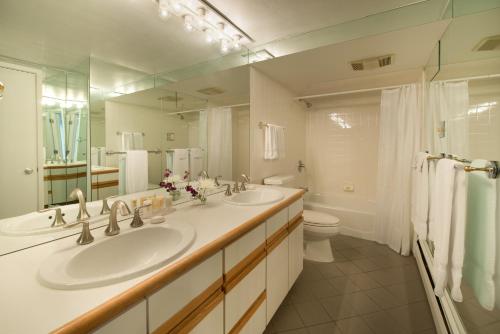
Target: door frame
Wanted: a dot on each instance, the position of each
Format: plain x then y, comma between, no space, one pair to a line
39,135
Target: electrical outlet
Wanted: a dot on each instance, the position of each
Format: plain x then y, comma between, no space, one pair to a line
349,188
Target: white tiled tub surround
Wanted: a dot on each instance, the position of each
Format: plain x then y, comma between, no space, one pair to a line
341,150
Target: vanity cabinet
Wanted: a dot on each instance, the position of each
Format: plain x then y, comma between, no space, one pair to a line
295,241
277,261
189,294
245,282
132,321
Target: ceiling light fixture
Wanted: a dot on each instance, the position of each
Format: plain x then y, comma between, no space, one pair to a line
197,15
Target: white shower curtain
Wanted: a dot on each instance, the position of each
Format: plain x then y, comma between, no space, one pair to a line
220,143
399,140
449,103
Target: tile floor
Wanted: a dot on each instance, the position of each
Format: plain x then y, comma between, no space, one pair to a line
369,289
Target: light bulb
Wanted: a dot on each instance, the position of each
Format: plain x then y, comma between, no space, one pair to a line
209,38
237,42
188,22
224,46
163,9
176,5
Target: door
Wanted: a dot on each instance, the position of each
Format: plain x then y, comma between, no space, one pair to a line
18,143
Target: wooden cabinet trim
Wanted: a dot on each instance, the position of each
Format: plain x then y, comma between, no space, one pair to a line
60,177
248,314
97,316
277,240
247,269
105,184
105,171
64,166
277,235
199,314
294,224
191,307
239,267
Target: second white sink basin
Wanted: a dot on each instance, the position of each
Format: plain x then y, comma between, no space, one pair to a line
259,196
114,259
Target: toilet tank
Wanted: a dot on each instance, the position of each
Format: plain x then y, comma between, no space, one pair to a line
280,180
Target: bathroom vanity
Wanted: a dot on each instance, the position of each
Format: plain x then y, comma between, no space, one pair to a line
232,277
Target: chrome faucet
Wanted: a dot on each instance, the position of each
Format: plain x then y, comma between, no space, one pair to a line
216,180
228,189
203,174
245,180
105,207
82,211
137,220
236,187
113,228
85,237
58,217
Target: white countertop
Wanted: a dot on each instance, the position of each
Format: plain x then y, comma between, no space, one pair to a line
26,306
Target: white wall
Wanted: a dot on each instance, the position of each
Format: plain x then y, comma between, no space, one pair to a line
241,141
155,125
342,146
271,102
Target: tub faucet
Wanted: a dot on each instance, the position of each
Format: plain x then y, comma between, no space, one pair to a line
82,211
113,228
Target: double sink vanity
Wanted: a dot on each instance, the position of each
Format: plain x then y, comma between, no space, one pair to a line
221,267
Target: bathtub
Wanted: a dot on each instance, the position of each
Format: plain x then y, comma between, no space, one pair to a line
357,215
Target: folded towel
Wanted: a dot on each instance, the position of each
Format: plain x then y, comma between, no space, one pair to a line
420,196
136,171
449,211
480,237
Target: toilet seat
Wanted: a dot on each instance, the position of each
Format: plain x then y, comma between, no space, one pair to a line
319,219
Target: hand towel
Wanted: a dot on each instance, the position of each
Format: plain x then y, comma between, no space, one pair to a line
480,237
420,197
136,171
432,200
280,138
196,162
138,139
270,143
127,141
449,212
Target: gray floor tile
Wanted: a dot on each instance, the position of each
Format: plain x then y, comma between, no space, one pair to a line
352,254
363,304
339,307
285,318
344,285
348,268
383,298
324,289
328,328
354,325
416,316
408,292
382,323
363,281
312,313
366,264
294,331
329,270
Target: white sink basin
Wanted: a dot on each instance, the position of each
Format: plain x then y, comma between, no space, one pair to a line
258,196
37,223
118,258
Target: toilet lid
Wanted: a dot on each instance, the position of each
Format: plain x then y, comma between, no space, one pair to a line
319,218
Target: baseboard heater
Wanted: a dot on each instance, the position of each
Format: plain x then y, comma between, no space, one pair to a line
444,312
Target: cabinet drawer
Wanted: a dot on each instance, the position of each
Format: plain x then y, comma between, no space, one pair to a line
276,222
295,251
276,276
213,323
207,319
133,321
295,208
256,323
239,299
174,302
237,254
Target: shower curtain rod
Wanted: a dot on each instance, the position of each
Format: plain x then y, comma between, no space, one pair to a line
479,77
196,110
346,92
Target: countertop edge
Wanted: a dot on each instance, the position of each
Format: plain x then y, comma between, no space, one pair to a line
99,315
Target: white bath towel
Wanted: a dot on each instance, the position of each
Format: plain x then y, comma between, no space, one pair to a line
196,162
274,142
136,171
450,212
420,196
432,200
481,236
178,161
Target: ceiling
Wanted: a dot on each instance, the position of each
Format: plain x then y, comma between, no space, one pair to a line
130,33
269,20
328,69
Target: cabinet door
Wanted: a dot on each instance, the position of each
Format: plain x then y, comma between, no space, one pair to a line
213,323
257,322
132,321
295,252
277,276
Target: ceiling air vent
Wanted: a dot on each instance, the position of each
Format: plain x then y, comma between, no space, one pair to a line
372,63
211,91
491,43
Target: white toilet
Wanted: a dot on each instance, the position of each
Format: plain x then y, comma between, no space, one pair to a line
319,227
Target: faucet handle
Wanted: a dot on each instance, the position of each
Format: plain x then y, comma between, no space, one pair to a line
105,207
216,180
228,189
58,218
137,220
85,237
236,188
